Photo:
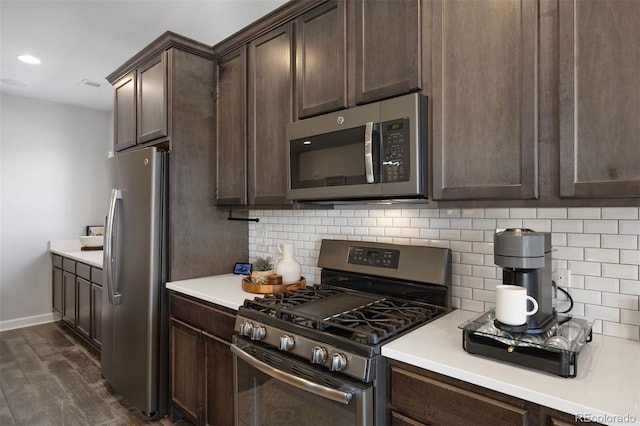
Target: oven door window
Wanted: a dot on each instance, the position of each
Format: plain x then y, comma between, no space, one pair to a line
334,159
265,398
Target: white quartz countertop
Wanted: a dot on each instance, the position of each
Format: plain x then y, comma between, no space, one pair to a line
607,386
72,250
224,290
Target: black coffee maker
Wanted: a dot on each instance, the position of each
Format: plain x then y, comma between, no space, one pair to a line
525,258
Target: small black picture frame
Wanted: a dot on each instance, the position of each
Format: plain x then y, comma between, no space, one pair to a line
242,268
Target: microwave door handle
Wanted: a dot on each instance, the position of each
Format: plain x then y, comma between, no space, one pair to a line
295,381
368,151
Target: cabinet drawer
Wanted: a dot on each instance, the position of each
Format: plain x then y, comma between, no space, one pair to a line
427,399
69,265
215,320
83,271
56,261
96,276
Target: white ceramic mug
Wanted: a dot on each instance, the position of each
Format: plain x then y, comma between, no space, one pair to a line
511,304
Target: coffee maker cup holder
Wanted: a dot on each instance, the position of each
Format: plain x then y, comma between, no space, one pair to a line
555,351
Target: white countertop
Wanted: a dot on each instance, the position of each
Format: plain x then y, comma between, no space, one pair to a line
72,250
607,385
224,290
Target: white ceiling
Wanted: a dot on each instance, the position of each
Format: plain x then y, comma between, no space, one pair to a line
88,39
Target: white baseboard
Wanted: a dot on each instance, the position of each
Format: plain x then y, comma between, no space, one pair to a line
28,321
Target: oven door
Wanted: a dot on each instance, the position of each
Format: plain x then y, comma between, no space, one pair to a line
272,388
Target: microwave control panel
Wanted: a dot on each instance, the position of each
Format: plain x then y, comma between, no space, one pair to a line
396,151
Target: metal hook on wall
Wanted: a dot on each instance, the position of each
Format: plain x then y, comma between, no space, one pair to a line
241,218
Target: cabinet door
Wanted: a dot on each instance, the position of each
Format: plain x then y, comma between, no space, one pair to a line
152,99
69,292
125,112
321,48
57,290
96,314
388,57
83,321
231,129
484,99
270,109
218,391
599,98
186,370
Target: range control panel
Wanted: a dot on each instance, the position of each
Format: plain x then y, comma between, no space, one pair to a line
383,258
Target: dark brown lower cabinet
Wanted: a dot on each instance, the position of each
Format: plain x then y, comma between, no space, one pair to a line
421,397
201,362
77,297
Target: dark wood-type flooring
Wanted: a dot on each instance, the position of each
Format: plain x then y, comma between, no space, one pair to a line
48,376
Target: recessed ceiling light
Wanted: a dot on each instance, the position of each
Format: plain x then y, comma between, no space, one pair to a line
29,59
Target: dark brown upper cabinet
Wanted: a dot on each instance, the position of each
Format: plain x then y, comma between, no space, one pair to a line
321,49
125,112
484,99
152,99
387,48
231,129
599,98
270,108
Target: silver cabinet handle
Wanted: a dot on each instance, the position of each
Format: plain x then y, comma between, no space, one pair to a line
298,382
368,151
114,297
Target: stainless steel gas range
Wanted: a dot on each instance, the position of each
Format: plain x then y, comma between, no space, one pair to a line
313,355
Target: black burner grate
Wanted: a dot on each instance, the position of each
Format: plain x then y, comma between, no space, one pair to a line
360,317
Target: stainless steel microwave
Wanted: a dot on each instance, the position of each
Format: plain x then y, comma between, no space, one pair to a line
376,151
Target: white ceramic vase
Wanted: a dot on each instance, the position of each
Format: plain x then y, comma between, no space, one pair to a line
287,266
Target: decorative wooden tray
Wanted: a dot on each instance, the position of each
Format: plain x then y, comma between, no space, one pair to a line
251,287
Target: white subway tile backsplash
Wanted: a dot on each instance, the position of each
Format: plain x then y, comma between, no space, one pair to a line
552,213
524,213
508,223
584,268
616,300
624,331
629,227
619,241
566,225
601,226
599,245
630,257
586,296
628,316
620,213
602,312
602,284
628,272
630,287
584,213
601,255
538,225
583,240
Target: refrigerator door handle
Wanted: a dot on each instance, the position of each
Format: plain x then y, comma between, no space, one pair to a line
114,297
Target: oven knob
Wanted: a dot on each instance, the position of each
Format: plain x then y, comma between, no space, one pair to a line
286,342
245,328
338,362
258,332
318,355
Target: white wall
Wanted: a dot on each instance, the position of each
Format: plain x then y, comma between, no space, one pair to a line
52,160
601,247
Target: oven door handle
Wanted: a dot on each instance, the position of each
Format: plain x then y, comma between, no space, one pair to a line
368,152
298,382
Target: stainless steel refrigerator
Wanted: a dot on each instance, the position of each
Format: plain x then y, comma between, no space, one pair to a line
134,353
